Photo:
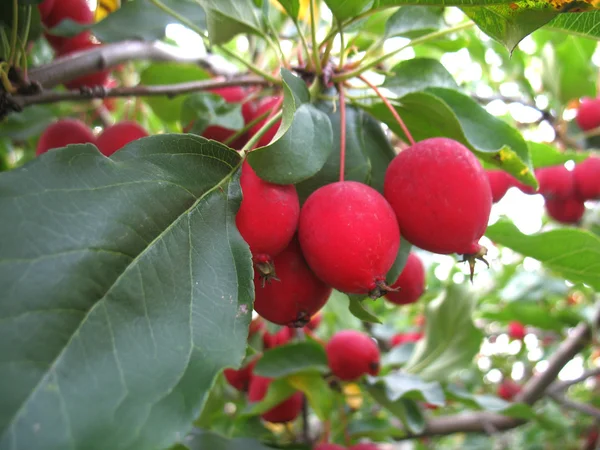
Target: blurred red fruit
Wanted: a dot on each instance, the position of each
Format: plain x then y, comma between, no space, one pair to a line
314,322
516,330
410,283
588,114
286,411
500,182
508,389
555,182
281,337
65,132
404,338
119,135
567,211
263,106
587,179
76,10
45,9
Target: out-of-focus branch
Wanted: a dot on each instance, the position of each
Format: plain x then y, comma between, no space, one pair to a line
559,386
570,404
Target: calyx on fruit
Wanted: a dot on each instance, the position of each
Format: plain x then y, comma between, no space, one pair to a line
352,354
410,284
286,411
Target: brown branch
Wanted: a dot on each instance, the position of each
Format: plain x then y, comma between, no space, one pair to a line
570,404
559,386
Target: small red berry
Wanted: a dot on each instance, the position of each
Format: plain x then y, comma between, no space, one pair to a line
555,182
587,179
349,237
410,283
63,133
296,296
281,337
352,354
286,411
441,196
263,106
267,218
240,379
119,135
516,330
76,10
508,389
588,114
500,182
565,210
404,338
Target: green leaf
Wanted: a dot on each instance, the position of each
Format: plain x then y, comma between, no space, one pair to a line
303,142
292,7
279,391
451,339
570,252
418,74
399,355
112,265
528,313
543,155
414,21
490,403
204,109
344,9
169,109
6,22
27,123
359,311
204,439
582,24
510,23
291,359
400,262
138,20
445,112
403,385
317,391
404,409
376,428
228,18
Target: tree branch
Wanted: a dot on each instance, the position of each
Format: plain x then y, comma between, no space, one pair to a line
581,407
559,386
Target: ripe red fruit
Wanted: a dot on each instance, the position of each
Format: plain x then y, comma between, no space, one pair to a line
565,210
516,330
441,196
328,446
587,179
281,337
349,237
410,283
240,379
364,446
588,114
63,133
45,9
267,218
76,10
286,411
352,354
500,182
508,389
404,338
118,135
94,79
555,182
263,106
314,322
296,296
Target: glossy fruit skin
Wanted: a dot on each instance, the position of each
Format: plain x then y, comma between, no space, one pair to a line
45,9
410,283
282,337
524,188
286,411
364,446
441,196
587,179
119,135
555,182
76,10
296,296
352,354
404,338
328,446
94,79
500,182
268,216
516,330
568,211
349,236
588,114
65,132
240,379
508,389
264,105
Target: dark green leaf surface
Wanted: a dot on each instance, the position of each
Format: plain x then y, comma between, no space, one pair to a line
317,391
208,440
451,339
292,7
582,24
228,18
418,74
414,21
358,309
404,409
204,109
126,288
403,385
570,252
344,9
543,155
28,123
139,19
291,359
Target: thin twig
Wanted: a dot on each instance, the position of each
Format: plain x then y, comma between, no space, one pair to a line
559,386
576,406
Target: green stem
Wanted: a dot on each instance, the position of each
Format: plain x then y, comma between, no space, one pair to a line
247,127
274,43
315,44
302,39
342,46
15,30
356,19
412,43
254,139
203,35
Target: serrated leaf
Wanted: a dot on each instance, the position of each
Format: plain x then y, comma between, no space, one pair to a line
204,109
582,24
358,310
451,339
205,439
291,359
404,409
344,9
138,20
303,142
570,252
418,74
228,18
317,391
414,21
111,264
403,385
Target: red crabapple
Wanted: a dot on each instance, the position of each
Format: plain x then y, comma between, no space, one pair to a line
587,179
588,114
281,337
76,10
555,182
286,411
516,330
405,338
119,135
410,284
565,210
65,132
240,378
45,9
500,182
349,237
508,389
296,296
352,354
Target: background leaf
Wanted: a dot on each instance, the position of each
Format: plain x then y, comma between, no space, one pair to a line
344,9
228,18
204,439
403,385
418,74
291,359
414,21
204,109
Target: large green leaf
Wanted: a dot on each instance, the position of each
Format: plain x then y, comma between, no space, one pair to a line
414,21
582,24
451,339
228,18
303,142
317,391
344,9
570,252
208,440
126,288
203,109
291,359
138,19
404,409
543,155
446,112
418,74
403,385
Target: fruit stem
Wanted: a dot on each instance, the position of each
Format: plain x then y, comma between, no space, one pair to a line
389,106
342,131
14,31
206,40
254,139
315,44
302,40
342,46
247,127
